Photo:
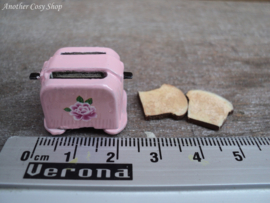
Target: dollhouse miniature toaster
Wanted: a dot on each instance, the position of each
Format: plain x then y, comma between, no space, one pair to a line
83,87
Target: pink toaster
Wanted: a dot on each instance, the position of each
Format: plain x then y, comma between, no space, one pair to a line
83,87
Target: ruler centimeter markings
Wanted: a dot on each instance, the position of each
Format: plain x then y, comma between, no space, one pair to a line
160,143
143,142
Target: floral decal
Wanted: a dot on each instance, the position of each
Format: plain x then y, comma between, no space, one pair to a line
82,110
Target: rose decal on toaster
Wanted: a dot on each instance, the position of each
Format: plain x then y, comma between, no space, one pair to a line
82,110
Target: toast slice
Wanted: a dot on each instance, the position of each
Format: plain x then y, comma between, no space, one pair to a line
208,109
166,101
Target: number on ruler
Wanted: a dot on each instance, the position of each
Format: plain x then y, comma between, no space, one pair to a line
111,155
197,157
25,155
154,157
237,156
68,156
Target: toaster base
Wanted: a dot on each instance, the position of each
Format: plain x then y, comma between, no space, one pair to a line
53,131
122,123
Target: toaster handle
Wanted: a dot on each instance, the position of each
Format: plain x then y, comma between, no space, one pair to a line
128,75
34,76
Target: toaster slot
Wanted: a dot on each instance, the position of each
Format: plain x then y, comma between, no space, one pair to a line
82,53
78,75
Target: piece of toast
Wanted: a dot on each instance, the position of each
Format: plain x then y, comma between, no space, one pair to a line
208,109
166,101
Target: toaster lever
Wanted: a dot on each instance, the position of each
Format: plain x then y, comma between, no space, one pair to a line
34,76
128,75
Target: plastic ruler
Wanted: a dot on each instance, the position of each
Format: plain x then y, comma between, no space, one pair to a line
96,169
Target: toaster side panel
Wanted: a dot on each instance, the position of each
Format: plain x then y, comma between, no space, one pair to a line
72,107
